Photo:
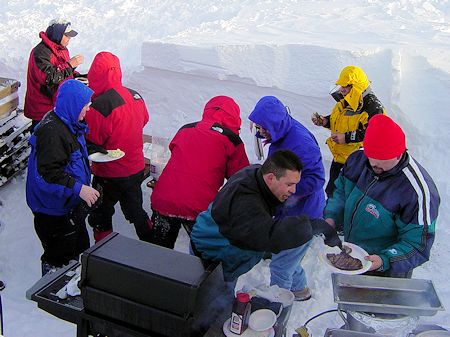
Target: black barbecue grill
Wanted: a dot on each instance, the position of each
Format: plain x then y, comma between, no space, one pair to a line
133,288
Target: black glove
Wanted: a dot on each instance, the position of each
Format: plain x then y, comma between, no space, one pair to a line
93,148
79,213
320,226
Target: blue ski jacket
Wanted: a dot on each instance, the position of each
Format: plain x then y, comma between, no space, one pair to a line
392,215
289,134
58,165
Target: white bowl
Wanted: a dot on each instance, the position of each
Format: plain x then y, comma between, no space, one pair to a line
262,319
285,297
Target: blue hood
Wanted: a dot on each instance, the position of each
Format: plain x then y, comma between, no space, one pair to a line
272,115
71,98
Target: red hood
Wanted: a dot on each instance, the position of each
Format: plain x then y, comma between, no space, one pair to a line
225,111
105,73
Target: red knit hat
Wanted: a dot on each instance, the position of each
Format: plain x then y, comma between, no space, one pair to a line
384,139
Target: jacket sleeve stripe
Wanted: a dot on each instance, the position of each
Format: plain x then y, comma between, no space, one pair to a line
420,185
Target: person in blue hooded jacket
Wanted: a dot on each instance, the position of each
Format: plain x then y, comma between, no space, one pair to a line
282,131
59,176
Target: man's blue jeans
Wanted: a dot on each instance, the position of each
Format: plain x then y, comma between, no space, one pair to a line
285,269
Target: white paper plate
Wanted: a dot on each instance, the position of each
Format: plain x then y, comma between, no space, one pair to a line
83,80
357,252
103,158
262,320
247,333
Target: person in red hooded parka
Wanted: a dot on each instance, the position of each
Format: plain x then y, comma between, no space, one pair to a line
203,154
48,66
116,121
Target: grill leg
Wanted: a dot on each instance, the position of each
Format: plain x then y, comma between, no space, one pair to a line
83,328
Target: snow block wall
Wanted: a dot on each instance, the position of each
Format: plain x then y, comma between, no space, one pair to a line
306,70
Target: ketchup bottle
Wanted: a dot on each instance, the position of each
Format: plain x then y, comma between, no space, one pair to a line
240,313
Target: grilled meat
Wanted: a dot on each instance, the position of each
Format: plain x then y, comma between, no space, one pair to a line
344,261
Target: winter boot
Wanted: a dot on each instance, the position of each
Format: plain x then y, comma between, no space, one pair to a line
302,295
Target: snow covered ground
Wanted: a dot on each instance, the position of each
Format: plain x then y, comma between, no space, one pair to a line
179,54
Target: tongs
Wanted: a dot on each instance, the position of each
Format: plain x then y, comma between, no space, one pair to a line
344,249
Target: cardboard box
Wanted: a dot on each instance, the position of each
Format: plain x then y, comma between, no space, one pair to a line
8,86
7,107
9,97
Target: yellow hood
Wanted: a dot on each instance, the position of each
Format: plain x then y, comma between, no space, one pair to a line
358,79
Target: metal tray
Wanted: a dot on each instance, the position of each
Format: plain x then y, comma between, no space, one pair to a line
413,297
43,292
349,333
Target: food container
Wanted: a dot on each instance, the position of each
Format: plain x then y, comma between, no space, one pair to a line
384,324
159,155
386,295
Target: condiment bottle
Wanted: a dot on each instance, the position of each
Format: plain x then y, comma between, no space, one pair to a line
240,313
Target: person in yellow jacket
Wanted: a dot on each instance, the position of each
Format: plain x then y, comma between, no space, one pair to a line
356,104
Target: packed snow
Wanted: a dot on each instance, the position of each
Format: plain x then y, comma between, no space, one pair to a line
179,54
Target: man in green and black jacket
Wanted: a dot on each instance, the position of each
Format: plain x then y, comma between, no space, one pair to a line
386,202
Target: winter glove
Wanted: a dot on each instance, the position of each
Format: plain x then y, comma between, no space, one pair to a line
333,240
93,148
79,213
95,205
320,226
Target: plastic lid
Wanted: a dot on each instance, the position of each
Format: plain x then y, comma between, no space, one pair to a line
243,297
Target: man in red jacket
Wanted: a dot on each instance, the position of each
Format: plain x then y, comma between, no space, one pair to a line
203,154
116,119
48,66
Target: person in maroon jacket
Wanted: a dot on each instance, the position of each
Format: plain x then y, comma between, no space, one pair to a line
203,154
116,120
48,66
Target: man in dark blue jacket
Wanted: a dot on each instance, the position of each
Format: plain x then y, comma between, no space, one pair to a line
281,131
239,225
59,176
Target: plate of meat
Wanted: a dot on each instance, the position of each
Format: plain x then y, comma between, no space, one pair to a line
350,261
